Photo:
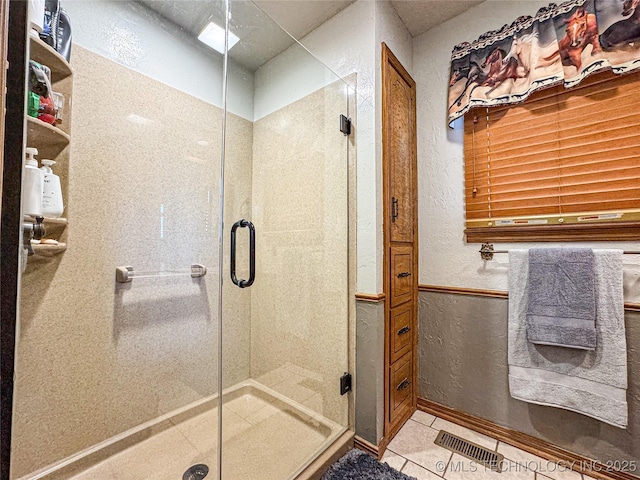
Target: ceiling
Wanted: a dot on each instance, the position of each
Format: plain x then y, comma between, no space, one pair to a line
263,39
422,15
417,15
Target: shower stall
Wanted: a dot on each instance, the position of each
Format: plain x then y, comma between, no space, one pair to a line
188,316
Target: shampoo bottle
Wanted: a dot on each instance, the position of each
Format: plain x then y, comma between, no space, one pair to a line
32,185
51,192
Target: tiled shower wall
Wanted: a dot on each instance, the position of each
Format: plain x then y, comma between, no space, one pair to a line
96,358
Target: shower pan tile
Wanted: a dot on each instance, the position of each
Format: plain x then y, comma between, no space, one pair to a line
281,436
202,430
262,414
176,470
278,430
315,402
246,405
161,452
101,471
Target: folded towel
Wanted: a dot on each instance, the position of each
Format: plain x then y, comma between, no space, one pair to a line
562,307
590,382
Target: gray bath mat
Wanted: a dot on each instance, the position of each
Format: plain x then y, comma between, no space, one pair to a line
357,465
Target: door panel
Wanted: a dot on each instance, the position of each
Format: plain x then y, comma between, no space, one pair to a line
401,159
285,336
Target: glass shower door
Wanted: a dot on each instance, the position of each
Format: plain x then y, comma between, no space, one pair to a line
117,376
285,280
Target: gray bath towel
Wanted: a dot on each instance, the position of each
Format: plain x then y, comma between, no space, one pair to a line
591,382
562,306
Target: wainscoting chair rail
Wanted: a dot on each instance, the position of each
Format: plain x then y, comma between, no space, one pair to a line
487,251
127,274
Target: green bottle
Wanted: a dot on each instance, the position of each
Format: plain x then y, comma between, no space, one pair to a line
33,104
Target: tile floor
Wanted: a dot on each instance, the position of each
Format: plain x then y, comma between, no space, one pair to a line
413,452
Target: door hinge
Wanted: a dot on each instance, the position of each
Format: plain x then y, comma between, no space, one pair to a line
345,125
345,383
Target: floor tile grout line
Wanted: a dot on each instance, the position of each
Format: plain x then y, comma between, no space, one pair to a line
421,423
447,465
420,466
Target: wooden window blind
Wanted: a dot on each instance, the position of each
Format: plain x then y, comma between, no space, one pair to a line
564,165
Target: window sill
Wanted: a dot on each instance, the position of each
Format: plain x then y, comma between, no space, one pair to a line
594,232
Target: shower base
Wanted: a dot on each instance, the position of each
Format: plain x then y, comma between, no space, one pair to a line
265,436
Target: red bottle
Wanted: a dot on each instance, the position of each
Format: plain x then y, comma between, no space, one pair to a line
47,111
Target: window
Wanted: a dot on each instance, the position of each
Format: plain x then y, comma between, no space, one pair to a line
562,166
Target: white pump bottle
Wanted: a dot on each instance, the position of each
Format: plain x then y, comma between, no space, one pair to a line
32,185
52,205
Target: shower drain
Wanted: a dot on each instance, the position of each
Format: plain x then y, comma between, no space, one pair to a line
197,472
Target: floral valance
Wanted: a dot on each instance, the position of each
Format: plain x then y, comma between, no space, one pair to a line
561,44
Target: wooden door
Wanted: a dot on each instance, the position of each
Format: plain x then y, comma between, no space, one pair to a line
400,134
400,242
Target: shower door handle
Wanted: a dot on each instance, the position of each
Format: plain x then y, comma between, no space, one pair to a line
252,253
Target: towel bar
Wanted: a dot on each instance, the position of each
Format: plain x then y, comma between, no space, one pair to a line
126,274
487,251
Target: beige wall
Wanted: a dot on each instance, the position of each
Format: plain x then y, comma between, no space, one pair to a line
299,303
96,358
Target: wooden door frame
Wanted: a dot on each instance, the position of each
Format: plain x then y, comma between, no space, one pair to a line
14,43
390,60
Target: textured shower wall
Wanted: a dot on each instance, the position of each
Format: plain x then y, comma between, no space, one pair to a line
96,358
299,303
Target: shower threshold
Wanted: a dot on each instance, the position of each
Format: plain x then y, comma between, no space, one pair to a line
265,435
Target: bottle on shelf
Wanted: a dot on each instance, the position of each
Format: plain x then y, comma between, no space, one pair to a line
32,185
36,15
52,205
